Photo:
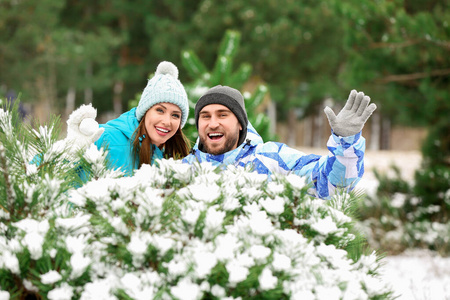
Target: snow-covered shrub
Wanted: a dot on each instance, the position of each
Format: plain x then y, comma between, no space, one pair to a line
174,231
405,214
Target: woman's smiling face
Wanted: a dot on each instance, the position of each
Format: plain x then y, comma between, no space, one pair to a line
162,121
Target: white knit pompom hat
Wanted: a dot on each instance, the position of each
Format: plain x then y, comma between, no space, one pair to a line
164,87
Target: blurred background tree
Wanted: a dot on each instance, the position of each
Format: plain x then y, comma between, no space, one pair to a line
224,72
399,51
62,54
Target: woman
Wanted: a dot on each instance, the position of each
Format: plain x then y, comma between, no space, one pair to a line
150,131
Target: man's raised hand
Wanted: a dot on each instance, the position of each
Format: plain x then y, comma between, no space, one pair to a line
353,116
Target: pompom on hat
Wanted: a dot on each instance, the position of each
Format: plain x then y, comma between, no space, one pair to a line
164,87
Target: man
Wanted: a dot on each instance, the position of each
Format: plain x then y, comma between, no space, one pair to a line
226,137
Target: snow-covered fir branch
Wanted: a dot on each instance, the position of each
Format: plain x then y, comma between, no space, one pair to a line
175,231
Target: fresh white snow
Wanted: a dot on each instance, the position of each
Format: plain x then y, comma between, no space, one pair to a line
418,275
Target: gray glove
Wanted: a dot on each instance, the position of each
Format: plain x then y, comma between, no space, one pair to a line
353,116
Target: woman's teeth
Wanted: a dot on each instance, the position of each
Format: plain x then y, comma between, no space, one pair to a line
162,130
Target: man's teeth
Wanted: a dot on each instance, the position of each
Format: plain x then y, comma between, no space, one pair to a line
215,134
162,130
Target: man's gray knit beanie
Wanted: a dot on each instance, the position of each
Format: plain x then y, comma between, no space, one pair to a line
228,97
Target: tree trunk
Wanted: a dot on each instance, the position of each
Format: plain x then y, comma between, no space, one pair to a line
88,93
292,122
307,128
117,100
70,106
70,101
52,83
272,113
46,93
375,131
123,58
386,134
318,129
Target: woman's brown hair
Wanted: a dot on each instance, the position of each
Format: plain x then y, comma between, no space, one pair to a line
177,146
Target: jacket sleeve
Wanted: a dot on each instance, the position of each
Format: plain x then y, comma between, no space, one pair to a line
343,167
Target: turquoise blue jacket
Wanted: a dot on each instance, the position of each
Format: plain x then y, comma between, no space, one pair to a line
118,137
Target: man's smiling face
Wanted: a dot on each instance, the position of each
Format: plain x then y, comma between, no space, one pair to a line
218,129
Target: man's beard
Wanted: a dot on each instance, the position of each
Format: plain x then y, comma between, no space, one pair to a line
229,145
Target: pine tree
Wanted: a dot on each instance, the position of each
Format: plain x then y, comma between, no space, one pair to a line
224,73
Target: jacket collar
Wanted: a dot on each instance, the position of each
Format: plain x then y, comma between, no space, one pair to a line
157,154
126,123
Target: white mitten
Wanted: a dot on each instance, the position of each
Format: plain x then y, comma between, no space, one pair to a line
82,129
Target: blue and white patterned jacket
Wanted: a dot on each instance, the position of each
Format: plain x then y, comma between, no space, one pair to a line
343,167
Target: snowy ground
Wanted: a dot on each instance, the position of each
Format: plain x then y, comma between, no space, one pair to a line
418,275
415,274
